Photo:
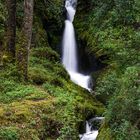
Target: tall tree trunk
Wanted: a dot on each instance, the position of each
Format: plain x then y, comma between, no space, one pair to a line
25,39
1,54
11,28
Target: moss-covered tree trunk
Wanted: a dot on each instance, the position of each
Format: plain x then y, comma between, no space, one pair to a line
24,42
11,28
1,54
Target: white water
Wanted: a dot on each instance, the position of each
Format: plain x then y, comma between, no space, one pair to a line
88,127
91,134
69,57
70,62
69,48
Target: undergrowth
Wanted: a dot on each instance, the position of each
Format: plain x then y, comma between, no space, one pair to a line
48,106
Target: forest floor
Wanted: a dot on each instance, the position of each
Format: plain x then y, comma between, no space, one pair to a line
48,106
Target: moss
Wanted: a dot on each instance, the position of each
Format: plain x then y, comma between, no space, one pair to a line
22,115
22,54
105,133
35,110
9,133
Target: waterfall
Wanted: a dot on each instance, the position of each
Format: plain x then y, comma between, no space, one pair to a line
91,129
69,48
70,62
88,128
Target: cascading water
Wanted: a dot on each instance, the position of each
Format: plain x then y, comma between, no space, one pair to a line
69,58
88,127
91,129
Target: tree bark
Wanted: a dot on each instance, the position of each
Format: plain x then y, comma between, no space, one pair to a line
25,39
11,28
1,54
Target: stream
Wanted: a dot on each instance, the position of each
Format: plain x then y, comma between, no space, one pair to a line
70,62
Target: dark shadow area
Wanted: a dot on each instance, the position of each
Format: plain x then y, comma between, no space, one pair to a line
88,63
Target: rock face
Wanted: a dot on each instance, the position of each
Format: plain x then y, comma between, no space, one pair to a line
88,62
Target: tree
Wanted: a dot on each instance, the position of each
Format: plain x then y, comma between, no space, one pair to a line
24,43
11,28
1,53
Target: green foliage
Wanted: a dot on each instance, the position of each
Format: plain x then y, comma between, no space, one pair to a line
45,52
107,86
125,102
106,34
50,9
74,101
36,106
112,30
38,75
9,133
13,91
51,13
44,67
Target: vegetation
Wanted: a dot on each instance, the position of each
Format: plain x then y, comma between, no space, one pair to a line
45,104
111,32
49,105
37,98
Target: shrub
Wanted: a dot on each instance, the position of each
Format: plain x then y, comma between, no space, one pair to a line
38,75
45,53
107,85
